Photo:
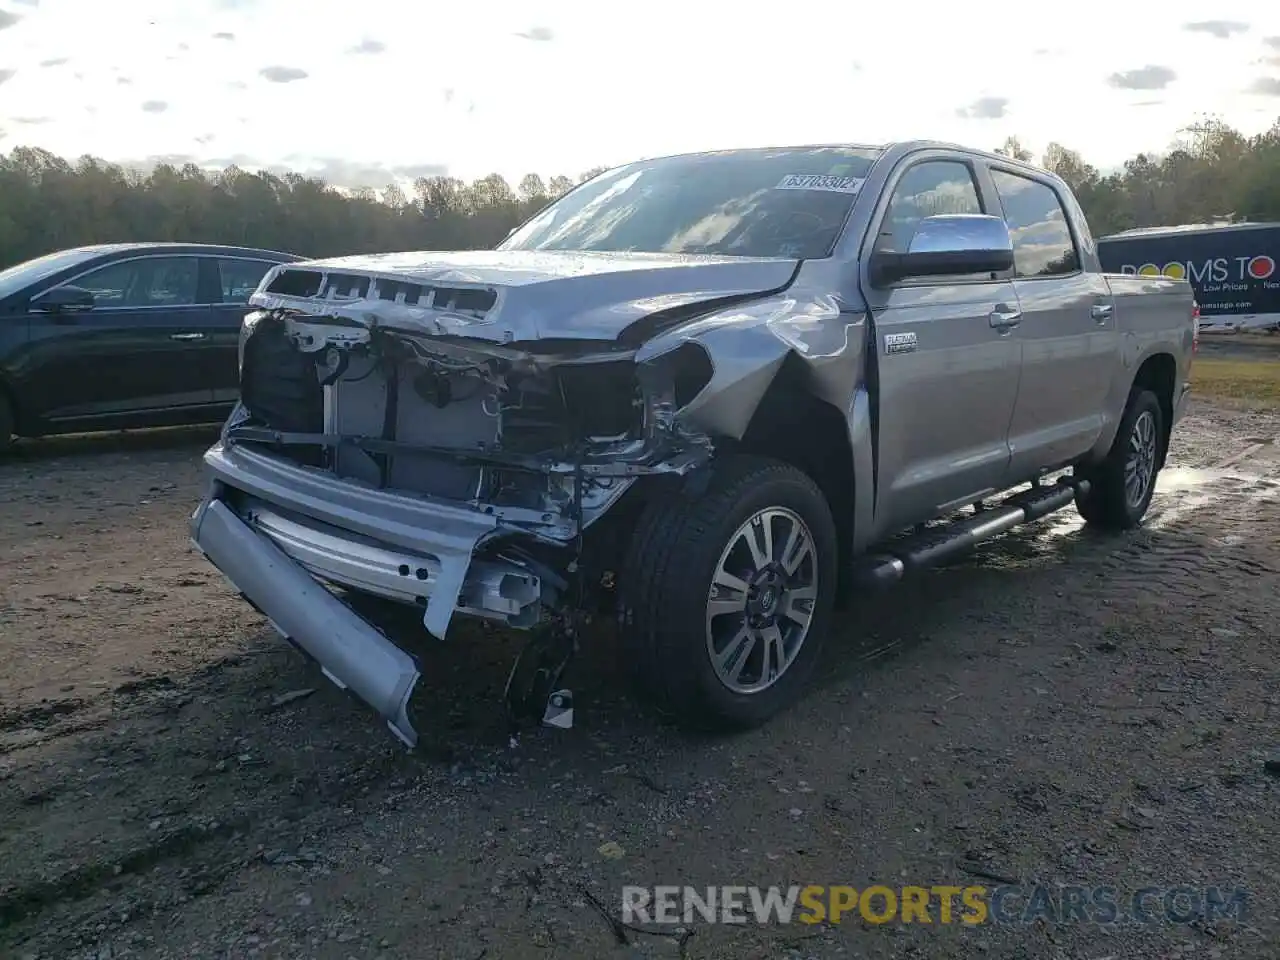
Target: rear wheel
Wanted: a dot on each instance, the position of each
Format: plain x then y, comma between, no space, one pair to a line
727,596
6,424
1121,487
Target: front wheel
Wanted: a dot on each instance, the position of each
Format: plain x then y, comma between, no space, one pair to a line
1122,485
726,597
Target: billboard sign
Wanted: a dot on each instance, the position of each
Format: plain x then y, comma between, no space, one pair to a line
1233,270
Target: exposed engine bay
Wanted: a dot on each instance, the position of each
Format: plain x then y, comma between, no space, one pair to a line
543,442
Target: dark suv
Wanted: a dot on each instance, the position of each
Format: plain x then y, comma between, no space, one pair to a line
123,335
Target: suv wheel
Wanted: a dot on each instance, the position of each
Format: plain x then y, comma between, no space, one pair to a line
6,424
1121,487
726,597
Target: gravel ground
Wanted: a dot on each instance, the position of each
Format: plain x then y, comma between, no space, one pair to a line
1241,346
1059,708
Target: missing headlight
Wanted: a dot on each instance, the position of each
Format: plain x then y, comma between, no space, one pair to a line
690,370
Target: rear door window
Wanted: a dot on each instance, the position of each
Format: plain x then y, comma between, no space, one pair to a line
240,278
1042,241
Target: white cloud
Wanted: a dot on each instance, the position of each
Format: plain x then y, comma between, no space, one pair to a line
1222,29
368,46
458,86
985,108
1153,77
282,74
540,34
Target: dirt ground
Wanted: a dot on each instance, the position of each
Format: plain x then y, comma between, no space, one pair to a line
1060,708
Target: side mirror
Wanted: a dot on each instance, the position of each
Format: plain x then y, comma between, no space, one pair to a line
63,300
948,245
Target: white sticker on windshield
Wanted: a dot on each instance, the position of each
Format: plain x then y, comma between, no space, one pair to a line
817,181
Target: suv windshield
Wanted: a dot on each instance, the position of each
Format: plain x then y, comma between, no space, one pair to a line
788,202
24,274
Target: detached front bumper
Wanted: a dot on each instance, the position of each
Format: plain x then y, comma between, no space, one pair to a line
278,532
352,653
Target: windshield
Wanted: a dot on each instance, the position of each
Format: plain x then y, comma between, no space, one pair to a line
24,274
744,203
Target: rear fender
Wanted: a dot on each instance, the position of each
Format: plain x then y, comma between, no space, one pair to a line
1136,355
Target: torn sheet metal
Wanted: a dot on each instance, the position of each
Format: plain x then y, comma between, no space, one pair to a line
443,600
748,346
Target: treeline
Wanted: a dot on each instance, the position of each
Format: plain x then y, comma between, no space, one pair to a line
1211,173
47,203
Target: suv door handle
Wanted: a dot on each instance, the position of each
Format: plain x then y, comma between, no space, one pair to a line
1003,317
1102,312
186,336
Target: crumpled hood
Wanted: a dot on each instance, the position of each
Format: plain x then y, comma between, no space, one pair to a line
515,295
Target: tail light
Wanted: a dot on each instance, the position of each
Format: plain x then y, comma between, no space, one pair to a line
1195,328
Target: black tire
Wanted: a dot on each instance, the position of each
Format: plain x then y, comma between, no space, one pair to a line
7,425
1109,504
666,581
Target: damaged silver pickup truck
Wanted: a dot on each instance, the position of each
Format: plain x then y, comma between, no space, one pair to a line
708,393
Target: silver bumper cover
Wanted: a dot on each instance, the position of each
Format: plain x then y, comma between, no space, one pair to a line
353,653
283,530
495,590
394,545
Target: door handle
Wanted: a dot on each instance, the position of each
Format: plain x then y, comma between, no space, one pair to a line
1003,317
186,336
1102,312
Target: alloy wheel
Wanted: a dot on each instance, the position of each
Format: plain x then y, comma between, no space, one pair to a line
1140,465
761,601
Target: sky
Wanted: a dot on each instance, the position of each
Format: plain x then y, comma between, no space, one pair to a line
366,92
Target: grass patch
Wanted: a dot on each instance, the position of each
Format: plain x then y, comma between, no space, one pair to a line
1253,381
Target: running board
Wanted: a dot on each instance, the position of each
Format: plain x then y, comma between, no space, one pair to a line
937,544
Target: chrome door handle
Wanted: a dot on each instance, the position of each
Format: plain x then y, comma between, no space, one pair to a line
186,336
1002,317
1102,312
